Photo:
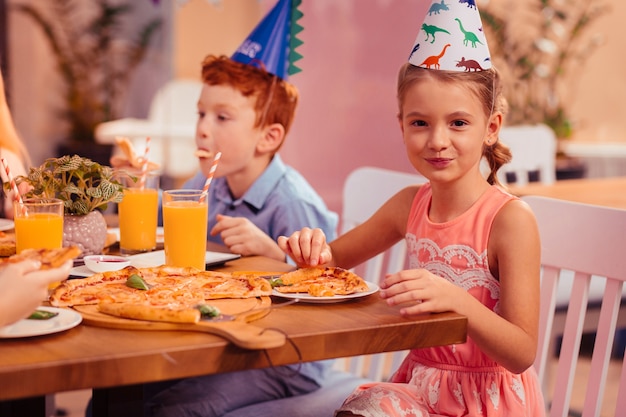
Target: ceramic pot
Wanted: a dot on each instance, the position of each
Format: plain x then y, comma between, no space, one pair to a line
88,232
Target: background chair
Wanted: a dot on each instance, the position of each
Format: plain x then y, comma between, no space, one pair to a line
583,262
171,126
366,189
534,153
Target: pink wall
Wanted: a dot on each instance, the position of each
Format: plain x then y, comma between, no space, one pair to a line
347,113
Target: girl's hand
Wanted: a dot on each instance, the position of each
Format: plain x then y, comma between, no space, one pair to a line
307,247
421,291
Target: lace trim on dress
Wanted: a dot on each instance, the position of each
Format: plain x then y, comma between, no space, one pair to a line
458,264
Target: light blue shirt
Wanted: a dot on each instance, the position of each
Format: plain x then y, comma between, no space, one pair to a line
279,202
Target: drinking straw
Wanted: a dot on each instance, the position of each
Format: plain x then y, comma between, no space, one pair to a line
144,167
207,183
18,197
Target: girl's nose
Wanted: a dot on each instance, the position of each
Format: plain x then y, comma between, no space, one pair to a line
438,139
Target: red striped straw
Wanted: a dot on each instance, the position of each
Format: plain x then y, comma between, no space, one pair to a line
207,183
17,197
144,167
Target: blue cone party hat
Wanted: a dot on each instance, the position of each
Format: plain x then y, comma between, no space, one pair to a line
451,38
273,41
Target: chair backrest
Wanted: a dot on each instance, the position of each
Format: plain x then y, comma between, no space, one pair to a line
176,103
534,150
588,242
366,189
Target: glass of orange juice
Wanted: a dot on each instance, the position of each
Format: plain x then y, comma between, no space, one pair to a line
138,212
185,215
38,224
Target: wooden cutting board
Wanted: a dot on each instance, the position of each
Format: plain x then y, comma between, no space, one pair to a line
238,331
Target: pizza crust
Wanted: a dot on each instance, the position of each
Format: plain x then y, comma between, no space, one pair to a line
49,258
151,313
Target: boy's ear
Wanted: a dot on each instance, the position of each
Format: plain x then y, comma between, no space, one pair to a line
273,136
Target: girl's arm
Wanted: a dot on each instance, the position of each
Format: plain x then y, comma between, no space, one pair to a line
386,227
515,259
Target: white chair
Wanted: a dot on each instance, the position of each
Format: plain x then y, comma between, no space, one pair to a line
171,125
366,189
587,243
534,150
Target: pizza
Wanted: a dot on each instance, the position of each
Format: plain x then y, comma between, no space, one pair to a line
162,293
49,258
7,243
129,156
321,282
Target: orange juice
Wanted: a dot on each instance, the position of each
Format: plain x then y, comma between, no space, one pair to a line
138,212
185,232
39,231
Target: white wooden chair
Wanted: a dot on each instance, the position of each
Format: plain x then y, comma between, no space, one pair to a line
534,150
586,244
171,126
366,189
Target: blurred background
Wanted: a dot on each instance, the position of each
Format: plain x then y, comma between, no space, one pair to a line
564,60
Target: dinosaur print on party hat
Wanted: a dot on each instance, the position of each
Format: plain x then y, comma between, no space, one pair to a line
451,38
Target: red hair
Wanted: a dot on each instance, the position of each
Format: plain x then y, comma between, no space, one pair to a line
276,99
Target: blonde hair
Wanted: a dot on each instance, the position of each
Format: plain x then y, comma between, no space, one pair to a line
9,139
485,85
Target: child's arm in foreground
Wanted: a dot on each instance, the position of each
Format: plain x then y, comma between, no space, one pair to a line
23,287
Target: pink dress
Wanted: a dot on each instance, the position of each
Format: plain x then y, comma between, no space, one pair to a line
457,380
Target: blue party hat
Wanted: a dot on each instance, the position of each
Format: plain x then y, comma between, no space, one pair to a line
273,41
451,38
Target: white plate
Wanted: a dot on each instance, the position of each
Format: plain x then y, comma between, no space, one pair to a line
306,298
6,224
116,232
27,328
156,258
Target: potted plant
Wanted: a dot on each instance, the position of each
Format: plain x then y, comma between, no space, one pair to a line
86,188
94,59
536,47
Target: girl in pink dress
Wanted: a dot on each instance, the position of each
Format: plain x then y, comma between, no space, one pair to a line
473,248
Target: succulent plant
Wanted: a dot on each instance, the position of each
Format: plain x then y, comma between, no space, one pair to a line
83,185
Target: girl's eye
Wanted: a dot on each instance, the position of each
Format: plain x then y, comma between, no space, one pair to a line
222,117
200,114
459,123
418,123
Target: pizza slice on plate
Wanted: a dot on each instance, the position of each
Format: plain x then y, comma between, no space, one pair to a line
321,282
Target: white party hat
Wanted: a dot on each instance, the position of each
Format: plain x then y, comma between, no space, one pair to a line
451,38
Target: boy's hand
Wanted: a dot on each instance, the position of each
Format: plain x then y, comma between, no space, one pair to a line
241,236
307,247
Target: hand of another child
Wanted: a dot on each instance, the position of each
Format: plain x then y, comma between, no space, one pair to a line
421,292
23,286
306,247
243,237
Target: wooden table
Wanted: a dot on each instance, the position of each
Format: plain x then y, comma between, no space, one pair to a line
609,192
101,358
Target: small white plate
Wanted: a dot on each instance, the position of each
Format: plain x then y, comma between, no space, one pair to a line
306,298
28,328
156,258
6,224
116,232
